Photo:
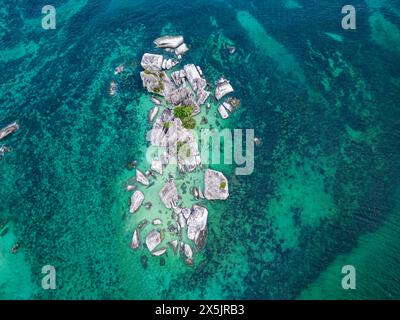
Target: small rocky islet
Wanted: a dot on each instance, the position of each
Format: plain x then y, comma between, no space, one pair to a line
177,95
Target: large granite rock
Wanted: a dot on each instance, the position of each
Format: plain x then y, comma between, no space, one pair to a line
169,194
193,75
152,62
136,201
170,42
153,239
197,224
215,185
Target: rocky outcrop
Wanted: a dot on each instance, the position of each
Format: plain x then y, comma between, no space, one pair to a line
152,62
136,201
223,88
153,239
170,42
169,194
215,185
197,224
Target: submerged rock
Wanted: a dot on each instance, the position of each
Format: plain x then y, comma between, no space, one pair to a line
197,224
136,201
215,185
169,194
153,239
143,260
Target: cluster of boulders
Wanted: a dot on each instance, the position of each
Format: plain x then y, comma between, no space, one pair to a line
172,89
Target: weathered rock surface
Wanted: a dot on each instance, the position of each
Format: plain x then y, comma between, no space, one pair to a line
222,111
169,194
223,88
141,178
152,62
135,239
153,239
197,224
215,185
181,50
136,201
157,166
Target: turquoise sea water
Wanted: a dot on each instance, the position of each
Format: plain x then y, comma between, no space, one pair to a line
324,193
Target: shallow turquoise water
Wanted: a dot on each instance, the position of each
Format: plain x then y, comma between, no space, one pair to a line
324,193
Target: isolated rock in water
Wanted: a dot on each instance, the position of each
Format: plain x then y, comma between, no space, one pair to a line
169,194
157,166
159,252
188,251
135,239
181,50
197,224
7,130
174,245
157,222
141,178
153,113
170,42
222,111
215,185
153,239
136,201
152,62
223,88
